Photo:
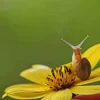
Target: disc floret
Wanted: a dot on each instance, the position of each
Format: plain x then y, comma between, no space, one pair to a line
61,79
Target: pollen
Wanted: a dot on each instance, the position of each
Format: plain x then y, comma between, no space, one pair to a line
61,78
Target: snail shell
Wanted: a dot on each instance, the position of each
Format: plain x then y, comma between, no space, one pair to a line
83,69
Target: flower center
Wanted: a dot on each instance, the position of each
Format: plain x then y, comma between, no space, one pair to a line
61,78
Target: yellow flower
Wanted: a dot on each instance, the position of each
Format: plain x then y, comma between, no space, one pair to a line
57,84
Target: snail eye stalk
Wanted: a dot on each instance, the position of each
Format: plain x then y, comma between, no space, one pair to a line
74,47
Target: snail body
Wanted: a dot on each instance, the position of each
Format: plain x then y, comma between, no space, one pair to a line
82,65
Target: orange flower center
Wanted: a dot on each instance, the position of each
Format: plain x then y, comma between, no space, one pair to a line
61,78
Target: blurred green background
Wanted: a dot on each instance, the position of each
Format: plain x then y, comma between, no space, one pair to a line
31,31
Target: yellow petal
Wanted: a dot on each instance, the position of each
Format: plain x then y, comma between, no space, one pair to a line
37,73
86,89
59,95
95,73
4,95
93,55
90,80
48,96
62,95
26,91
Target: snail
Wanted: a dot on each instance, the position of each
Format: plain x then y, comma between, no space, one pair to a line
82,64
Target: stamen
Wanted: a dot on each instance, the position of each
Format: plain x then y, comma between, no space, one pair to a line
69,71
62,74
52,71
60,71
61,79
66,68
61,68
51,80
48,78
